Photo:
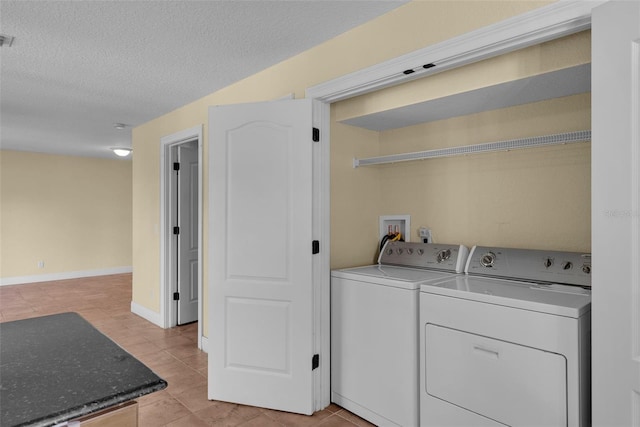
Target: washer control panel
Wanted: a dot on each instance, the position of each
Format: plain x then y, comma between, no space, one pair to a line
425,255
571,268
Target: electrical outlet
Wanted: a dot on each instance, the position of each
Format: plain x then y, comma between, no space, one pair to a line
40,264
425,235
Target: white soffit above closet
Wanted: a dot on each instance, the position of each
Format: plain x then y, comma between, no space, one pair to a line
555,84
77,67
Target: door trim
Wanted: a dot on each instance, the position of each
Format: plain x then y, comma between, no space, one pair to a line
540,25
168,310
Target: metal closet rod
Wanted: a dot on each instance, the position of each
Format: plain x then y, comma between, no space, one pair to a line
535,141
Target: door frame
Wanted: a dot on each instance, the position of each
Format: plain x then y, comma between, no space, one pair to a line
540,25
537,26
168,309
615,215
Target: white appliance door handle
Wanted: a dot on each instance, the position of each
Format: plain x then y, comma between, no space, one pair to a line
486,352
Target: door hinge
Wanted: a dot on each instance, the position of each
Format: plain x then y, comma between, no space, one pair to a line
176,230
315,361
176,296
315,247
176,166
316,134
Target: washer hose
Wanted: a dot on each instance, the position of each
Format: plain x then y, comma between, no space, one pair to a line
394,237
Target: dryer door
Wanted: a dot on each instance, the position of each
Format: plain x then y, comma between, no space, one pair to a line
503,381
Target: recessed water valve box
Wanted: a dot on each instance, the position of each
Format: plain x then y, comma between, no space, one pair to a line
395,223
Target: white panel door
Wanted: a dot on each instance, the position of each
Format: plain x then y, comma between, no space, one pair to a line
616,213
260,269
188,238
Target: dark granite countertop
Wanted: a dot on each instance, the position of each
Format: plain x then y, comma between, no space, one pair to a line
57,368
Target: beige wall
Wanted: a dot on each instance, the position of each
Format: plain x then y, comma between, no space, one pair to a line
534,198
408,28
73,213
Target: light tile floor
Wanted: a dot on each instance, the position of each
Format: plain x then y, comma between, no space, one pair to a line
172,353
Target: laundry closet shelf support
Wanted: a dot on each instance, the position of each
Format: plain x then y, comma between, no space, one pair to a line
535,141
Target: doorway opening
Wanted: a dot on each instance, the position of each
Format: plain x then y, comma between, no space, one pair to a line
181,229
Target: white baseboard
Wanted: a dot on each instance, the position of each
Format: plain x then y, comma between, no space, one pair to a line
19,280
205,344
147,314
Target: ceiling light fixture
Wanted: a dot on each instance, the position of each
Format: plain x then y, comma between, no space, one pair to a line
121,151
119,126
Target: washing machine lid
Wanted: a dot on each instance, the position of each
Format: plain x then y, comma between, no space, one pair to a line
400,277
561,300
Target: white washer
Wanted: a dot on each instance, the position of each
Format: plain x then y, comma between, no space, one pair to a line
374,330
499,351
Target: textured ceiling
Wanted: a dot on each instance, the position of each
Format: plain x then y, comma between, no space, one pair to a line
77,67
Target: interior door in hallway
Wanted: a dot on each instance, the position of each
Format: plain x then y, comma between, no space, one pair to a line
261,311
187,236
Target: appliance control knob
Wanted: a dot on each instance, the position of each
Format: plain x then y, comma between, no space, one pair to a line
389,251
548,262
409,251
488,259
567,265
399,251
586,268
420,251
443,255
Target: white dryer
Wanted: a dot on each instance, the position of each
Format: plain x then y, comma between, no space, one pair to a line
509,343
374,330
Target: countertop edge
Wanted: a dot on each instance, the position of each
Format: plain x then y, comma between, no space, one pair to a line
85,410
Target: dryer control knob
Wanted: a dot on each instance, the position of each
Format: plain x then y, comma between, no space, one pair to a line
586,268
548,262
488,259
567,265
443,255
